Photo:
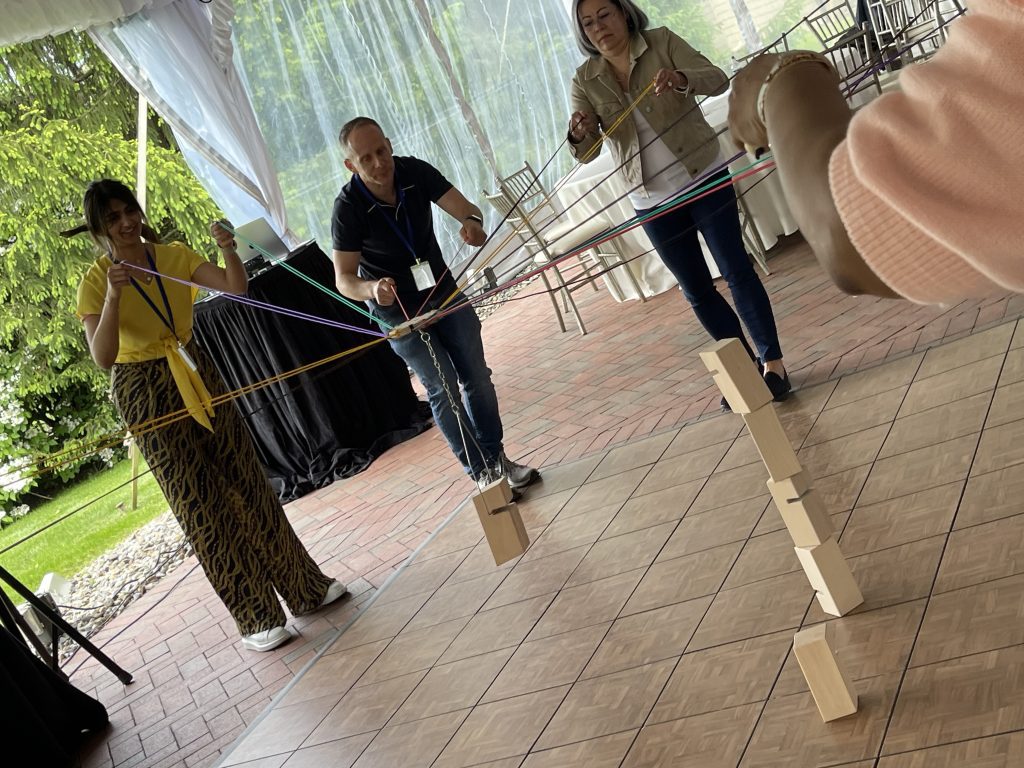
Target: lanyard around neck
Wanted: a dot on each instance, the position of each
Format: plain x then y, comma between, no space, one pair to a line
168,319
393,223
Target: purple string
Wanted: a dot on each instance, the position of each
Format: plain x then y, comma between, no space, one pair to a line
269,307
724,165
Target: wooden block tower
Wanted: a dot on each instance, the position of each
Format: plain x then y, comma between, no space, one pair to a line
799,504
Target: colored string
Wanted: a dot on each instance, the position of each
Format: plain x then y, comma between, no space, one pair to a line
655,213
284,263
399,301
54,461
241,299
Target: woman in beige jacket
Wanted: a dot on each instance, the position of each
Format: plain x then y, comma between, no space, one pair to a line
664,145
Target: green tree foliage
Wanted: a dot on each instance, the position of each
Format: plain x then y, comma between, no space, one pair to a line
66,118
788,17
689,19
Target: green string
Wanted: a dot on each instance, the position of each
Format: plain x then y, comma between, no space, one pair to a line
307,278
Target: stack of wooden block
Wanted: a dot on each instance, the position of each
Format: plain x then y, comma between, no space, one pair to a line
800,505
806,519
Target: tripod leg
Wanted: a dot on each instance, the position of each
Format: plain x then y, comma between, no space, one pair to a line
18,627
58,621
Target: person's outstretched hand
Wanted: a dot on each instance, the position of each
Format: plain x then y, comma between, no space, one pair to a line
748,130
225,240
581,125
473,233
384,291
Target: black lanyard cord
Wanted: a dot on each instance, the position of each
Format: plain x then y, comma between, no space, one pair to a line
167,320
406,238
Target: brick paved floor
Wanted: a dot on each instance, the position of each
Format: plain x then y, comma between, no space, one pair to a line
563,396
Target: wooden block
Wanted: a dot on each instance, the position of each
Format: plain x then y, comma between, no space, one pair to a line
493,496
736,375
409,326
806,518
790,488
772,443
830,577
829,685
505,532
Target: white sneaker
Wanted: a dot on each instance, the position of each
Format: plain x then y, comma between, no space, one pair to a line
267,640
335,591
519,475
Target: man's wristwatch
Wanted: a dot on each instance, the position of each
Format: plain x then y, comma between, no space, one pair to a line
474,217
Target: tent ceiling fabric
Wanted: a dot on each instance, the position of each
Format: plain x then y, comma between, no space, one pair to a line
178,57
26,20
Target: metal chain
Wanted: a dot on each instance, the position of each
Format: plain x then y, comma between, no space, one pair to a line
452,404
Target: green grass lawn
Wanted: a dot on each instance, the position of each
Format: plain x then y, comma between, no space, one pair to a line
72,544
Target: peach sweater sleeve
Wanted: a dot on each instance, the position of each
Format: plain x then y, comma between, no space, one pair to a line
929,181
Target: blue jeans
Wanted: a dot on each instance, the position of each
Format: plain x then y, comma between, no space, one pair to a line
674,236
459,350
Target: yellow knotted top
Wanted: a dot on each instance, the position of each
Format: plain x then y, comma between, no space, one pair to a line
142,335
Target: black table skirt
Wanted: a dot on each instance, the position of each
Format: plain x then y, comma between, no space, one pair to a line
330,422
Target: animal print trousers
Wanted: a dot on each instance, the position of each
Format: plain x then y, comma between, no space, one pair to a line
219,493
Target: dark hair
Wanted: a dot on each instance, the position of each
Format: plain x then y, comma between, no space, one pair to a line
96,203
636,22
351,125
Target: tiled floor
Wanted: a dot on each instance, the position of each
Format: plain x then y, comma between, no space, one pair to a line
651,621
635,376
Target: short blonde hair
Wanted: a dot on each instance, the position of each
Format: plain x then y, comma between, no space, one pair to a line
636,22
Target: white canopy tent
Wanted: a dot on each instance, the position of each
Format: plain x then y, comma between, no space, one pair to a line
178,55
256,90
26,20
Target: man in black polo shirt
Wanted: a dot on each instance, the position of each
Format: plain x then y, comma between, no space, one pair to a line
386,254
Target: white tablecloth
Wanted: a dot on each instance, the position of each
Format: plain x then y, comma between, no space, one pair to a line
593,192
588,195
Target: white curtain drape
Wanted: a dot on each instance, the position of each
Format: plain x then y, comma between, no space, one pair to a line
473,87
179,56
25,20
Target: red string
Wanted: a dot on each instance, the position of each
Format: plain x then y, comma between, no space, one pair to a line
589,245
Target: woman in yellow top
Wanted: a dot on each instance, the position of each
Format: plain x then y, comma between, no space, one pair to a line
140,327
664,146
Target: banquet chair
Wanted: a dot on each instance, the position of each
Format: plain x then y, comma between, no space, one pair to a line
781,45
534,216
508,209
848,46
907,24
943,12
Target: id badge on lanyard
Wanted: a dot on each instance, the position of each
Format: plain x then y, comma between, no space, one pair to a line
423,275
167,320
183,353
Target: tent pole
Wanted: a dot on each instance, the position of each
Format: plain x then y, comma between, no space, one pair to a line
141,139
